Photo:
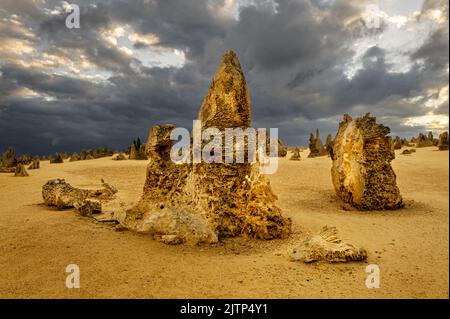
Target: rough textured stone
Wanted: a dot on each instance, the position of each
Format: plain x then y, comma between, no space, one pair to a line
136,154
327,246
406,152
443,141
74,157
397,143
424,141
57,159
120,157
8,159
57,192
295,154
20,171
204,202
227,103
88,207
361,171
35,164
282,151
316,147
25,159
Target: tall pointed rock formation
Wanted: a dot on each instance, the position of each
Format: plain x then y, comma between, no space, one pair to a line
203,202
227,103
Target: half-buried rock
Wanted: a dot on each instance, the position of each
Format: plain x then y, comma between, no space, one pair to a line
361,171
327,246
203,202
57,192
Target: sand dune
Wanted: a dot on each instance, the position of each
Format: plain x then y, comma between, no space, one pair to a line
409,245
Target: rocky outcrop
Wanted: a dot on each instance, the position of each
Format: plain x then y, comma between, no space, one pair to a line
57,159
443,141
25,159
361,171
316,147
328,247
424,141
20,171
397,143
203,202
282,150
295,154
57,192
137,152
74,157
35,164
8,159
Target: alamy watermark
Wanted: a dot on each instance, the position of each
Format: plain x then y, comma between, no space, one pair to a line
73,279
226,146
73,19
372,16
373,279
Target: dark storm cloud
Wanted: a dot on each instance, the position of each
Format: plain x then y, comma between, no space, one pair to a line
294,60
56,85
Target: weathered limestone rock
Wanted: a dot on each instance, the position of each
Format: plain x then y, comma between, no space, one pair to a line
443,141
327,246
8,159
137,154
20,171
316,146
397,143
296,154
25,159
88,207
35,164
424,141
202,202
361,171
329,144
406,152
120,157
282,151
57,192
57,159
74,157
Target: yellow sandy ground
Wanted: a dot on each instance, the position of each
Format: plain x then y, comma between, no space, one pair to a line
410,245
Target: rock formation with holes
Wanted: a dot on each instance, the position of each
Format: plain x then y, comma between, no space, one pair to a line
203,202
58,193
361,170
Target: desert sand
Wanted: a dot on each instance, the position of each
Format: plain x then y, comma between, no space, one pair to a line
409,245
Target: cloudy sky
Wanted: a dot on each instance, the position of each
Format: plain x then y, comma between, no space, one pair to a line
134,64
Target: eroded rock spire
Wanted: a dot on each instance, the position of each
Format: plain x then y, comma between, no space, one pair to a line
227,103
